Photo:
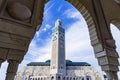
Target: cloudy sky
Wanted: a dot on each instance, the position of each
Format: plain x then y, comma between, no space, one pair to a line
78,47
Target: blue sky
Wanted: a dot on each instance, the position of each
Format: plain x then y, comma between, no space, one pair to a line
78,47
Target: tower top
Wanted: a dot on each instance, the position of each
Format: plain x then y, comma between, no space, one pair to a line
58,23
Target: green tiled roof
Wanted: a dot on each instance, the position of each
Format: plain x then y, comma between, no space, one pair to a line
68,63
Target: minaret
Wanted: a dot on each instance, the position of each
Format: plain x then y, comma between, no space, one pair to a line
58,63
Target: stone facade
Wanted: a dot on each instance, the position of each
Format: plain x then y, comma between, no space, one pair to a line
43,72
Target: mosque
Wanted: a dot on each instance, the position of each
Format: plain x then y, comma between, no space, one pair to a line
58,68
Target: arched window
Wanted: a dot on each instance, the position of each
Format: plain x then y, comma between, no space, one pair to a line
63,78
67,78
74,78
52,78
59,78
88,77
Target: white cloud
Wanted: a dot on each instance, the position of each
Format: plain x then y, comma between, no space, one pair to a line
72,13
43,29
78,47
59,8
47,27
35,51
48,7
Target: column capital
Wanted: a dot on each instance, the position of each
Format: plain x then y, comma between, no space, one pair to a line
12,61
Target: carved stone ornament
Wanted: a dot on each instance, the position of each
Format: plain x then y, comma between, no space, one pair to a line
18,11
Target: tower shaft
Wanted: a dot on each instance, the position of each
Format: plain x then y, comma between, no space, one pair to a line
58,64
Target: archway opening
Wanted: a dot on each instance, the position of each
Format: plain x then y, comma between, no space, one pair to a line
78,46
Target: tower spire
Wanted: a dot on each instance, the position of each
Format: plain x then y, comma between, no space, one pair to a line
58,23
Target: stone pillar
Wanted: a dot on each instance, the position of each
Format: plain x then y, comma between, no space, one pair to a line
105,48
112,75
12,69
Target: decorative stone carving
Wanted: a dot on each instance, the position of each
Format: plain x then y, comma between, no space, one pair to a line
103,60
18,11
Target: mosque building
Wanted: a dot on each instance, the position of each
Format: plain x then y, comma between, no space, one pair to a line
58,68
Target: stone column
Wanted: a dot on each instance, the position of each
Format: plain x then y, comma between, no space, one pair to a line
112,75
12,69
104,47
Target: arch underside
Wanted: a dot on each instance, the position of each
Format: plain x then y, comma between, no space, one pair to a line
95,42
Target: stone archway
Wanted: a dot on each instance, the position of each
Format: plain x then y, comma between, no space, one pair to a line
97,15
101,38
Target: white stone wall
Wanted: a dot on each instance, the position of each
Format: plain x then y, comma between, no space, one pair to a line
70,71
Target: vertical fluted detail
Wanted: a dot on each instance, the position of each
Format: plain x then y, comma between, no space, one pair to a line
12,69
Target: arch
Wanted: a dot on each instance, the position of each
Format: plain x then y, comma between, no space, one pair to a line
59,78
63,78
88,75
100,36
89,20
97,76
52,78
